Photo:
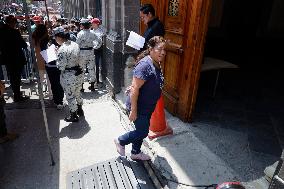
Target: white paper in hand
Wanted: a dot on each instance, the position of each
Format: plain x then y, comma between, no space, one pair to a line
135,41
49,54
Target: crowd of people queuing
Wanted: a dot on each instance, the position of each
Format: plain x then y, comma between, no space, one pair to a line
78,48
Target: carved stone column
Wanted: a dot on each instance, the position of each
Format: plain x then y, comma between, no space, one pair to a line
118,16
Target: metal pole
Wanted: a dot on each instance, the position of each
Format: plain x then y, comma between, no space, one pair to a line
45,4
25,6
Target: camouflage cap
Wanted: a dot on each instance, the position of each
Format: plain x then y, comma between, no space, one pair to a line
58,30
84,21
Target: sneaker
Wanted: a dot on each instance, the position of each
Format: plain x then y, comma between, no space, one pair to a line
141,156
59,106
8,137
119,148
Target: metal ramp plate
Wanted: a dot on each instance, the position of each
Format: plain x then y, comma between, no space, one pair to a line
119,173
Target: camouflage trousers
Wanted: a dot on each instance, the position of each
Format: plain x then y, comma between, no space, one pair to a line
71,85
88,59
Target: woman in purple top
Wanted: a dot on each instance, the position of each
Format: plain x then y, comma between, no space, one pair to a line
143,95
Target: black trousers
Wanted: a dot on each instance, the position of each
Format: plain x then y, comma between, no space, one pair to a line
54,78
14,73
99,62
3,129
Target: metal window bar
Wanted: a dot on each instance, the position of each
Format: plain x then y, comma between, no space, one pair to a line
27,73
3,74
28,68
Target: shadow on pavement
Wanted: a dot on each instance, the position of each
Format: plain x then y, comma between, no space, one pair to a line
75,130
98,93
164,168
25,162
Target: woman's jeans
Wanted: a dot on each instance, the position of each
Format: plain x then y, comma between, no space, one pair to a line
142,124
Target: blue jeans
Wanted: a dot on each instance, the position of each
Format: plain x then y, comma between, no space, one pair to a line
142,124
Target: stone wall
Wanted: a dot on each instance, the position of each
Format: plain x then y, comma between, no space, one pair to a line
81,8
119,16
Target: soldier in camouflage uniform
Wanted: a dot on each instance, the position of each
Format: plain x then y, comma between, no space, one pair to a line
87,40
71,73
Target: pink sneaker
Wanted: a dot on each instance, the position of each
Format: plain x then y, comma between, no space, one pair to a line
141,156
119,148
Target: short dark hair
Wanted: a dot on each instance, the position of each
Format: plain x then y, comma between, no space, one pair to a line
66,27
86,25
63,35
147,8
40,33
10,19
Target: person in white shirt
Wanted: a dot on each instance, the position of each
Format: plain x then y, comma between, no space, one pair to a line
99,31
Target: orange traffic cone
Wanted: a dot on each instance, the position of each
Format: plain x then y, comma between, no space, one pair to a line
158,125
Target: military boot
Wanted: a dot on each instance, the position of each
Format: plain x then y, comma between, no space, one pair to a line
72,117
92,87
80,111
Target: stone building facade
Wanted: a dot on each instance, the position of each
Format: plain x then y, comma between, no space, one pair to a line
81,8
118,17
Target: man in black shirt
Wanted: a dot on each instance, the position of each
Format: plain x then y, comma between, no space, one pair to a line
154,25
12,55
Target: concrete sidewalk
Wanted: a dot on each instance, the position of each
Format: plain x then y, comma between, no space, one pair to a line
201,153
207,152
25,162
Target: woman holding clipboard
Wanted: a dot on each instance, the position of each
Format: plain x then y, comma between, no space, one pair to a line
41,40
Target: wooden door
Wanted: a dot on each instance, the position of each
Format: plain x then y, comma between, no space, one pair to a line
174,18
186,23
